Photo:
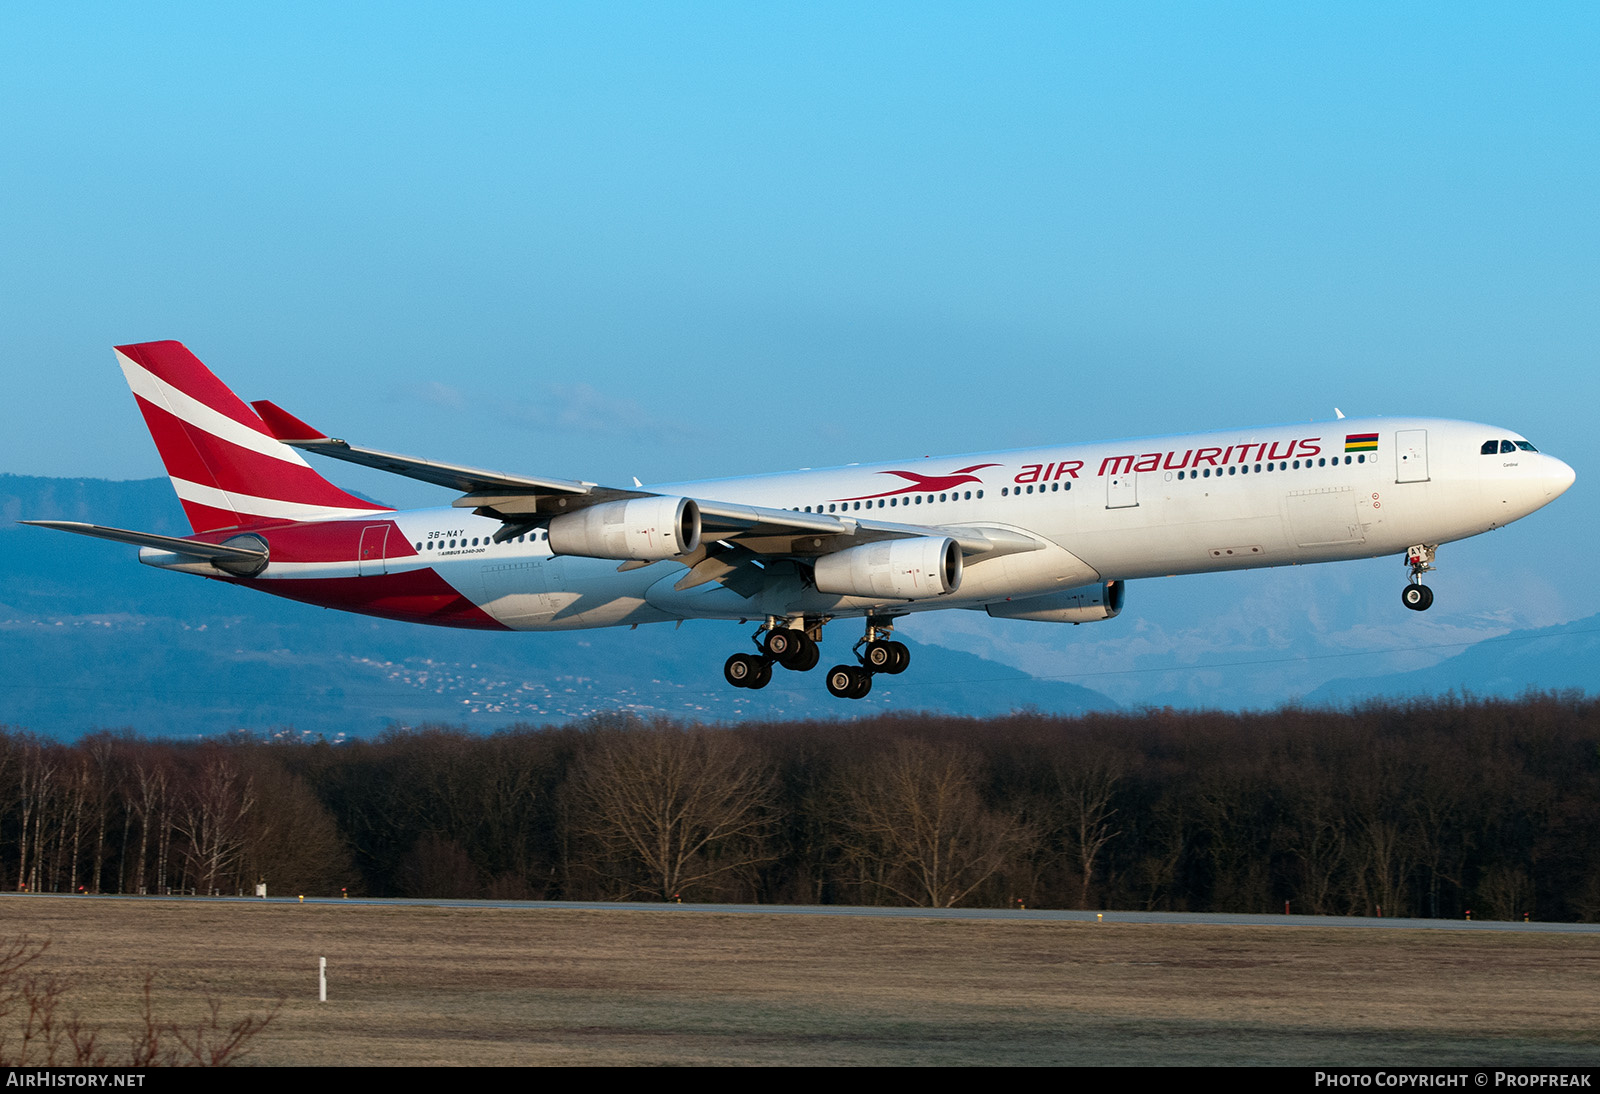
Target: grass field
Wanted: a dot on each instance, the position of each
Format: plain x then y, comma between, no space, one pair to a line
418,985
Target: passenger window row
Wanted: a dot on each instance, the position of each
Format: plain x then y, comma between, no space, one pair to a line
1282,465
895,502
445,545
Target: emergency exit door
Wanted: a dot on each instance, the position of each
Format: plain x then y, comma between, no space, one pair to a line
1411,455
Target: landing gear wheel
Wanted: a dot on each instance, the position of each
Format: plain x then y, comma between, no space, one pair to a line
902,658
792,649
849,682
1416,597
890,657
742,670
762,676
807,661
841,679
880,656
782,644
863,684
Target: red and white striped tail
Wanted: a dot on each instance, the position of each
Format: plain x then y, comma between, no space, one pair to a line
227,467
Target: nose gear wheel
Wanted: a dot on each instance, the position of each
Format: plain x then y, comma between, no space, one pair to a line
1417,596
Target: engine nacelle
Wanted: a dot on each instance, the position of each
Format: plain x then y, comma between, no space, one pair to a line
1085,604
898,569
638,529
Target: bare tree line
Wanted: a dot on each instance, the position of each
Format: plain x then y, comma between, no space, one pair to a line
1438,808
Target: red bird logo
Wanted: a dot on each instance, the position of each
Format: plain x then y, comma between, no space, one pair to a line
923,484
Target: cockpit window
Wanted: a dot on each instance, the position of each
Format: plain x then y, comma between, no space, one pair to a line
1490,448
1507,446
1526,447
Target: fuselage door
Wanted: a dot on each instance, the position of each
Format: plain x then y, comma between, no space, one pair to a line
1122,491
371,558
1411,455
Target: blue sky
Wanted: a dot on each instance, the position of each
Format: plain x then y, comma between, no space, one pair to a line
677,241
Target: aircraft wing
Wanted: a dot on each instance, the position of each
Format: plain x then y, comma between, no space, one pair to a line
469,480
732,533
752,526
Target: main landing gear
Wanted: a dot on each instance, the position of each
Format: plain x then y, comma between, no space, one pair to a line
1417,596
795,648
880,655
876,653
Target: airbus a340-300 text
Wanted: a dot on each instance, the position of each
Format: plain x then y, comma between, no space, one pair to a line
1048,534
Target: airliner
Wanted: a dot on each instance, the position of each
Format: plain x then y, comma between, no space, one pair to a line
1046,534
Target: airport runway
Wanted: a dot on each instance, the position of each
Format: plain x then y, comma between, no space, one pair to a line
1047,915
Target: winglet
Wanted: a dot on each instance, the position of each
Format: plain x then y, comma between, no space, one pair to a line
285,426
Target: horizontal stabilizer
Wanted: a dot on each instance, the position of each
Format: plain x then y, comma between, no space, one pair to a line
216,552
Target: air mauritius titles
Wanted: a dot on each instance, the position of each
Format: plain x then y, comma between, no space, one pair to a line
1254,452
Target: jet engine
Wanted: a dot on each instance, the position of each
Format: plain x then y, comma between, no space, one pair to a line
638,529
1085,604
899,569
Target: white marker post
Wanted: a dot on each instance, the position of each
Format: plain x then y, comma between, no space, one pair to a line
322,979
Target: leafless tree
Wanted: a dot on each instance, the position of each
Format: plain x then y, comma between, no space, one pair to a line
1386,843
1318,840
1087,786
13,746
212,818
291,841
670,809
82,795
915,826
1504,892
148,797
101,781
1229,805
36,794
1166,839
440,867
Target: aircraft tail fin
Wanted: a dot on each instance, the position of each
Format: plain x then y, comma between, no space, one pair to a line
226,465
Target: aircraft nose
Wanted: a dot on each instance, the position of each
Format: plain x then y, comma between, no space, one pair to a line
1558,477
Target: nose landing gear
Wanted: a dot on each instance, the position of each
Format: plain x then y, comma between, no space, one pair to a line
1417,596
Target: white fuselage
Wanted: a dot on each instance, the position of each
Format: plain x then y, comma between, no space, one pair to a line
1276,496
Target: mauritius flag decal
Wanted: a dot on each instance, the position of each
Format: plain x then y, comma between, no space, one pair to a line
1361,442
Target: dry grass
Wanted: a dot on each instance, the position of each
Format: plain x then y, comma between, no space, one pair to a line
415,985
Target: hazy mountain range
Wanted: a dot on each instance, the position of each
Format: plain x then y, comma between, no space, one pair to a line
92,640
